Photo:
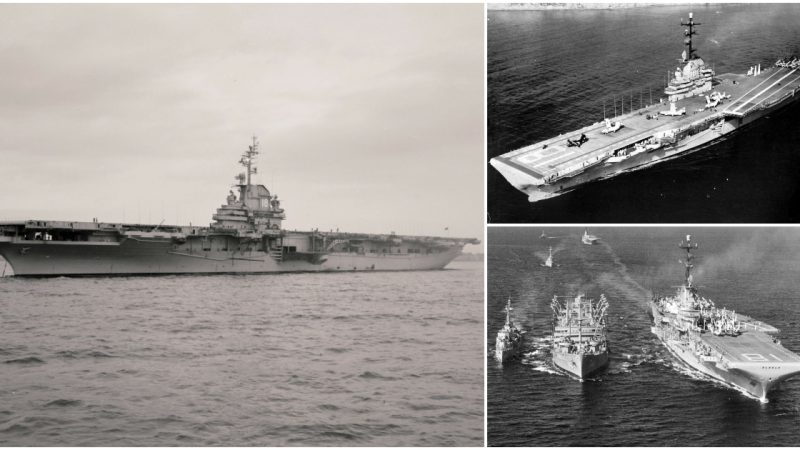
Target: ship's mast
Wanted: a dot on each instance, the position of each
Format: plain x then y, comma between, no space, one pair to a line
688,245
248,161
689,33
508,311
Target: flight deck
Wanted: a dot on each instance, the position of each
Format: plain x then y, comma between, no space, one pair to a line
751,347
555,158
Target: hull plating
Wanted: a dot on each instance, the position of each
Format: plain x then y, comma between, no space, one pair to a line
580,365
49,258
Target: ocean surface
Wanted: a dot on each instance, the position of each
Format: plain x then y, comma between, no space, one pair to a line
645,397
339,359
551,72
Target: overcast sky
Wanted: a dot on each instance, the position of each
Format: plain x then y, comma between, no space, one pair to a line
370,117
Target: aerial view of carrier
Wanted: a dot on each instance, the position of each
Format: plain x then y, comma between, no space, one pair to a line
700,109
726,345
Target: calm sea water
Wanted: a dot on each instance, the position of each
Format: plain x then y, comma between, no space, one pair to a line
551,72
391,358
645,397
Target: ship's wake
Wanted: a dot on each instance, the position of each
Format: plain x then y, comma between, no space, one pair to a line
538,356
624,363
541,256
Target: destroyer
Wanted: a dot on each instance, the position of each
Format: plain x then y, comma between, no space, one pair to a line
509,339
245,237
549,261
723,344
579,335
700,109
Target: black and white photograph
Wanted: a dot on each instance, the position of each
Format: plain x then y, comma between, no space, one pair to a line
242,224
665,336
643,113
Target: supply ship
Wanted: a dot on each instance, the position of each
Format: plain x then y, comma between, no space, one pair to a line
723,344
509,339
580,346
246,236
700,109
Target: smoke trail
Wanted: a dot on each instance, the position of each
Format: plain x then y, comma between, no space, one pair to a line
622,281
745,254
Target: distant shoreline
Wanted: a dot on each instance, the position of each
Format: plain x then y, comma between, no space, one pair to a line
561,6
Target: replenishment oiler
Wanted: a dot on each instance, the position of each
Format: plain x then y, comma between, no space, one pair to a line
723,344
580,345
245,237
700,109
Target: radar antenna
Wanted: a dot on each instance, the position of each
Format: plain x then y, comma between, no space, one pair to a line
688,245
689,33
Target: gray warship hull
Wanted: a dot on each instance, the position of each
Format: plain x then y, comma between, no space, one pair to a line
503,354
580,365
132,256
752,362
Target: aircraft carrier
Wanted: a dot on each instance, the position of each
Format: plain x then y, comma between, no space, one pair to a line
245,237
580,346
700,109
723,344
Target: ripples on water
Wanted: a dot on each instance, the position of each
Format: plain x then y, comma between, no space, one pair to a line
391,358
551,72
645,397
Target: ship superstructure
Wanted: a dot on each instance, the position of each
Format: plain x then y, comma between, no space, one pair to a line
246,236
698,110
695,77
580,345
508,344
728,346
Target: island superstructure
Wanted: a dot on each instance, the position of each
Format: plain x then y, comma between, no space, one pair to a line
728,346
508,344
580,345
246,236
699,110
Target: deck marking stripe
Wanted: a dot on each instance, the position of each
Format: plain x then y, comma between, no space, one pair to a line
756,86
766,89
777,91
